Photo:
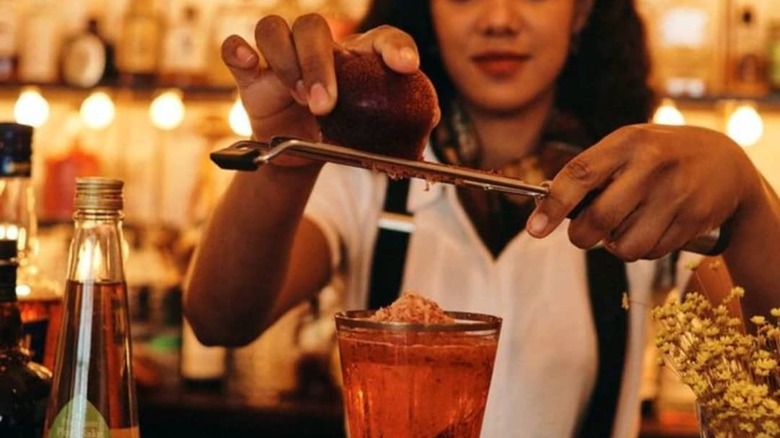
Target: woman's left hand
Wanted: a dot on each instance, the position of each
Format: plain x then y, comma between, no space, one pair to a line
657,188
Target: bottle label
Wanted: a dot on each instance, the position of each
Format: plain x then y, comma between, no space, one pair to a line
80,418
140,47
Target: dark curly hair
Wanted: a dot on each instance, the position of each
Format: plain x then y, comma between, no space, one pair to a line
604,84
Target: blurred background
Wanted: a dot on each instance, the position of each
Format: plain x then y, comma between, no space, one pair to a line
134,89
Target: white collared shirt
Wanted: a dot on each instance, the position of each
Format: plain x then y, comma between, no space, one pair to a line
547,358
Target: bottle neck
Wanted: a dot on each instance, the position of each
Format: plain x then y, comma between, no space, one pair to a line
96,251
7,282
18,219
10,314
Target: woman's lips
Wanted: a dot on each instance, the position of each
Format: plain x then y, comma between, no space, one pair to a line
499,65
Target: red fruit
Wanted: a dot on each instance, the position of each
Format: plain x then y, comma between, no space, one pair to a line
379,110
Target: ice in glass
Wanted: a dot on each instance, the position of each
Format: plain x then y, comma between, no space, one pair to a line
416,374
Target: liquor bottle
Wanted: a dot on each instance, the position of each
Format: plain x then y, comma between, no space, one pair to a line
24,384
39,50
747,42
687,40
138,49
184,51
93,391
84,59
39,297
773,55
9,41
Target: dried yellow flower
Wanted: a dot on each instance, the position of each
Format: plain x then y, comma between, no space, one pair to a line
735,375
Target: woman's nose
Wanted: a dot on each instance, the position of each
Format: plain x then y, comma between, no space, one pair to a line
500,17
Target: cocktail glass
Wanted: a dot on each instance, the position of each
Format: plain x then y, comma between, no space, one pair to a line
408,380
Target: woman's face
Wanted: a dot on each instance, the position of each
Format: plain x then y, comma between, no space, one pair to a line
504,54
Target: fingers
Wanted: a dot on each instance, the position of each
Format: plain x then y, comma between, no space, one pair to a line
241,59
275,41
302,57
314,47
586,172
396,48
640,233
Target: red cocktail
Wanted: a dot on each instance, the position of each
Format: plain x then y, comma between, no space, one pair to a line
416,380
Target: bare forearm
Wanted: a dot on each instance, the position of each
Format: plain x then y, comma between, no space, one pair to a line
754,252
241,261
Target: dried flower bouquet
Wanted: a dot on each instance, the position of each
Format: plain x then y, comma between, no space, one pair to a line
734,374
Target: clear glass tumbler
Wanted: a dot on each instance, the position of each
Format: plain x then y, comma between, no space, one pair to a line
416,380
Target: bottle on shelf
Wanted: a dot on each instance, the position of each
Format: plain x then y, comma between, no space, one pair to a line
9,40
773,55
40,297
686,41
184,51
93,390
139,44
40,43
24,384
747,57
85,60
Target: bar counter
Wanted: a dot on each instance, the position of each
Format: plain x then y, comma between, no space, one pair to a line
176,411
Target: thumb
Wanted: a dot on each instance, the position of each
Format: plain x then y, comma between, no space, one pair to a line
550,211
571,189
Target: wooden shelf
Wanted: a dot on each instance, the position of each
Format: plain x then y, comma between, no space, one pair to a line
143,92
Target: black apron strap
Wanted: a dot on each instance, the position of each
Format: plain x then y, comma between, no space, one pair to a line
387,266
607,282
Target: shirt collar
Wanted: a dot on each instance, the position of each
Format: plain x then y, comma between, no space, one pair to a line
422,192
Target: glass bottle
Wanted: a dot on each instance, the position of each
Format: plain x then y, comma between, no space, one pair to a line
84,59
686,41
40,43
40,297
747,58
93,393
138,49
773,55
185,50
24,384
9,40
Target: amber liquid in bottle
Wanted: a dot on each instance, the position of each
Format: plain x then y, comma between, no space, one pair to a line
101,387
93,393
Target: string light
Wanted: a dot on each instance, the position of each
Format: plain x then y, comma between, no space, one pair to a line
239,120
167,110
98,110
745,125
668,114
31,108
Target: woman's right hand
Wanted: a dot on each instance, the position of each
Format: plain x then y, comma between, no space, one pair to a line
291,78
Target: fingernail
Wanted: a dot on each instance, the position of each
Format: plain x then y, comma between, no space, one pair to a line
408,55
318,98
299,93
538,224
244,54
